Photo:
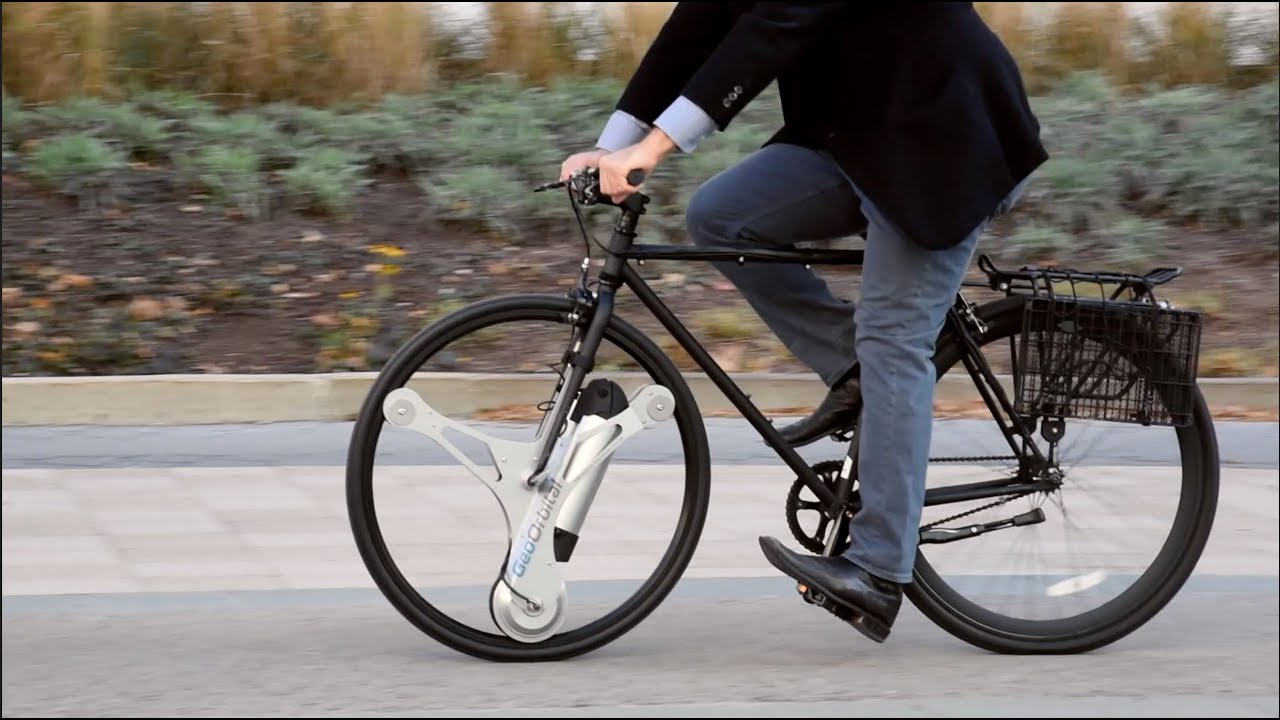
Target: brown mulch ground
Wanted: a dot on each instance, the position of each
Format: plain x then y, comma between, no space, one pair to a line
165,283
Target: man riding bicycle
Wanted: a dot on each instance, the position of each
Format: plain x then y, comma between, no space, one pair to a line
905,122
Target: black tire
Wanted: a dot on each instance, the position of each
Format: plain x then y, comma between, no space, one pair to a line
492,646
1127,612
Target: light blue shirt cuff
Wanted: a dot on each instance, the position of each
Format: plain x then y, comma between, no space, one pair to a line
622,130
685,123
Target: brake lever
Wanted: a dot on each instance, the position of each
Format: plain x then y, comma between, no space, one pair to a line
585,183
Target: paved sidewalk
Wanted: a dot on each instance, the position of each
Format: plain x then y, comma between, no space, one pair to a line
203,529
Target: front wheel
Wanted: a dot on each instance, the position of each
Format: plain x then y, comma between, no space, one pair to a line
417,494
1077,579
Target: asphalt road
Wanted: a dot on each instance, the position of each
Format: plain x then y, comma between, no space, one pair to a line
716,648
733,442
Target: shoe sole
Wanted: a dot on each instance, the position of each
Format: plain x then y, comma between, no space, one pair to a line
824,598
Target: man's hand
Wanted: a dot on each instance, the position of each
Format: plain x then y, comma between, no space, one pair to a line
574,163
644,155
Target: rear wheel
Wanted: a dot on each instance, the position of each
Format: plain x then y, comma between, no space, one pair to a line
1161,483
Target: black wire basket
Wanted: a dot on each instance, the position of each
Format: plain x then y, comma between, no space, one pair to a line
1111,351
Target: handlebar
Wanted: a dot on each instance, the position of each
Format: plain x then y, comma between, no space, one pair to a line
585,186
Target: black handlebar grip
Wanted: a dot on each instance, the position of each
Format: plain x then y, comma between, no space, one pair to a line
635,177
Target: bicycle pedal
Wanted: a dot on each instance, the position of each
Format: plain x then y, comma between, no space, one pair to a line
868,626
805,594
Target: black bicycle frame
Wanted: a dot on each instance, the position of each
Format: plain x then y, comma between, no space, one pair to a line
618,272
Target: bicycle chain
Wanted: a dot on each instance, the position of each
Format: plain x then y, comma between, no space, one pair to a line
988,506
833,466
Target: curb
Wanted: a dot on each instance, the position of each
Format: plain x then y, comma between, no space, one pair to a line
209,399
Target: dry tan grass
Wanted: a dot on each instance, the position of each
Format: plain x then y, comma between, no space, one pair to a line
321,53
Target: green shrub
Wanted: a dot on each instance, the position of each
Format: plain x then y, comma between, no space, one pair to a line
232,175
246,131
78,165
326,180
483,197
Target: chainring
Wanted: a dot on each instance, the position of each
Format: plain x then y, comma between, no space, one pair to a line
828,473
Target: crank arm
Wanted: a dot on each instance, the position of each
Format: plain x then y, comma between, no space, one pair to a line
937,536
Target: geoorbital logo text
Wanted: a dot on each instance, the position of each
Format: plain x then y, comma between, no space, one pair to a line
528,542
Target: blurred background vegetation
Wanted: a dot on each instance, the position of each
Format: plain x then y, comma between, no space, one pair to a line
325,53
142,140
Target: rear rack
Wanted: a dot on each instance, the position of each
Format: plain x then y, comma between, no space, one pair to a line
1039,280
1086,352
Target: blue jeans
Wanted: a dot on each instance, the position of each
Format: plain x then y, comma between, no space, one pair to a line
785,194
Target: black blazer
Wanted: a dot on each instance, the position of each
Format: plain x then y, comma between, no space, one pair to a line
920,103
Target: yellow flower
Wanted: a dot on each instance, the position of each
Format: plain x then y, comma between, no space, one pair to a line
387,251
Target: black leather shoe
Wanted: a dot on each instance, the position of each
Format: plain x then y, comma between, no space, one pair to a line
867,602
838,411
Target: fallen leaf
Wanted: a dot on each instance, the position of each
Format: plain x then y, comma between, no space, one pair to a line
145,308
12,295
70,280
27,327
325,320
279,288
192,208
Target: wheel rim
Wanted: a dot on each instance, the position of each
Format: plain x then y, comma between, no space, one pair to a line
689,506
1064,590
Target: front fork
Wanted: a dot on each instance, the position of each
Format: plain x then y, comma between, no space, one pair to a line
580,359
